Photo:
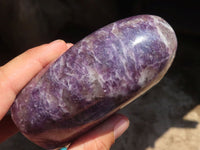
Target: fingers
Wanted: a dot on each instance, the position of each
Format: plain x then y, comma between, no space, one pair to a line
103,136
18,72
7,128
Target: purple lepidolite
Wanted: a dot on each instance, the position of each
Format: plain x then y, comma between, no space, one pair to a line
97,76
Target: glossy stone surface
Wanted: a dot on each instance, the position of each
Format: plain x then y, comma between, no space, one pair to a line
97,76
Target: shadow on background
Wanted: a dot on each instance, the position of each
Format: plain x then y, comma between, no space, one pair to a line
24,24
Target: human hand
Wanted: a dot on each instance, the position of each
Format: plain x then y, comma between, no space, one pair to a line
18,72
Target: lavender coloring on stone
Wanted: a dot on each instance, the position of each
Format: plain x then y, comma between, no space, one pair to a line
96,77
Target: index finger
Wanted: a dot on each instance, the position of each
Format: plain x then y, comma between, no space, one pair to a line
18,72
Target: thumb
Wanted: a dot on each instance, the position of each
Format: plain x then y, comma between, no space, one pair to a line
103,136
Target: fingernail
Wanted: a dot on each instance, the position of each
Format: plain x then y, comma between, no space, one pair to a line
56,42
120,127
69,45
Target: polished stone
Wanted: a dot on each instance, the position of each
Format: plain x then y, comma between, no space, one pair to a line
97,76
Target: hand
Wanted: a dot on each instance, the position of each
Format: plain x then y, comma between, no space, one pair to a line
18,72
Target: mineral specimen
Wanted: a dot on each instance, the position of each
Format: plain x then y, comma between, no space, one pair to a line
96,77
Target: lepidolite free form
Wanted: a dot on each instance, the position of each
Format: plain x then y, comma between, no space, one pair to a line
99,75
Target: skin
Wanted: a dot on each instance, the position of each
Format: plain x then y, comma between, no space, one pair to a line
18,72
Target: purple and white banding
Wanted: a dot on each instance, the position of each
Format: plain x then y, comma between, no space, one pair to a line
97,76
